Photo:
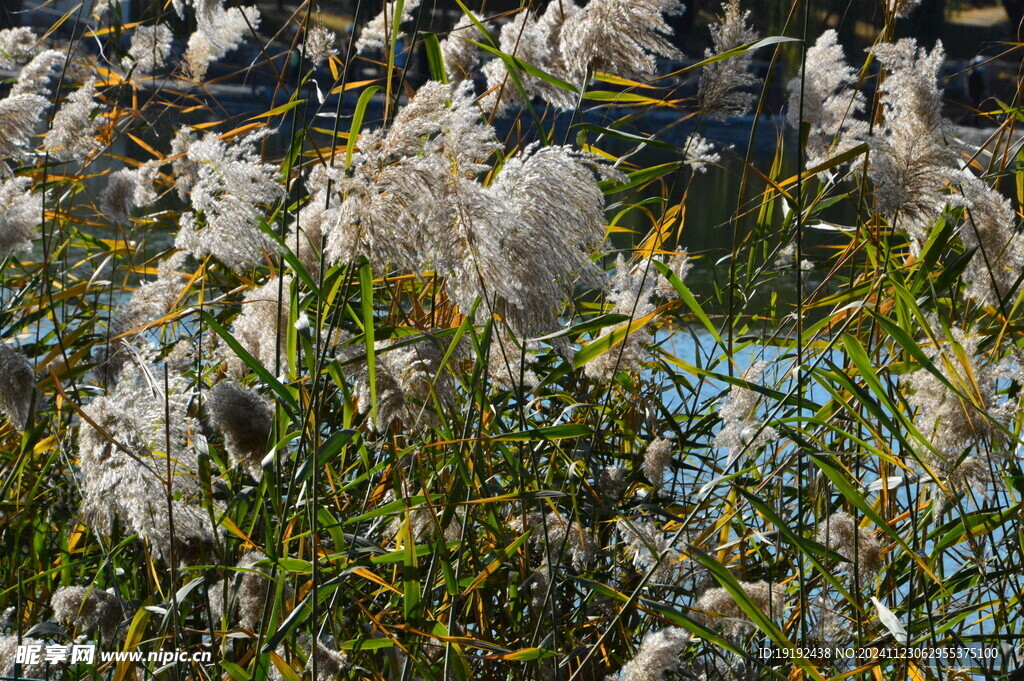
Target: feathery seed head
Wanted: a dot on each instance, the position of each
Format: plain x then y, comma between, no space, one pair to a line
231,186
72,135
16,46
717,604
17,385
319,44
620,37
377,32
245,420
213,39
19,115
658,653
841,533
149,49
722,83
20,212
657,456
458,53
34,76
830,104
89,609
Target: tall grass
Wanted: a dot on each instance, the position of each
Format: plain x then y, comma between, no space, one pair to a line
353,388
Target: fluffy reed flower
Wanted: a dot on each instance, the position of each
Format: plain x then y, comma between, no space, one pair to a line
989,227
901,8
377,32
407,378
535,40
716,605
149,49
522,245
742,431
679,264
831,101
151,301
630,292
123,459
212,40
20,212
559,537
412,201
658,653
186,171
955,424
127,189
242,593
612,482
232,186
458,53
72,135
244,418
402,187
17,385
19,115
700,153
89,609
16,46
657,456
319,44
911,161
329,661
646,543
858,545
722,83
621,37
261,326
35,75
37,670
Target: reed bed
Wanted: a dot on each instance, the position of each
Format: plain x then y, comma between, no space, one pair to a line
356,387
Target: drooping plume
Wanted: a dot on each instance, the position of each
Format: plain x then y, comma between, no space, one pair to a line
630,292
244,418
378,31
858,545
148,52
19,115
620,37
458,53
717,606
210,42
722,83
232,187
912,162
17,45
241,593
658,653
123,459
90,609
35,76
743,431
261,327
20,212
17,385
127,189
72,134
407,380
831,102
